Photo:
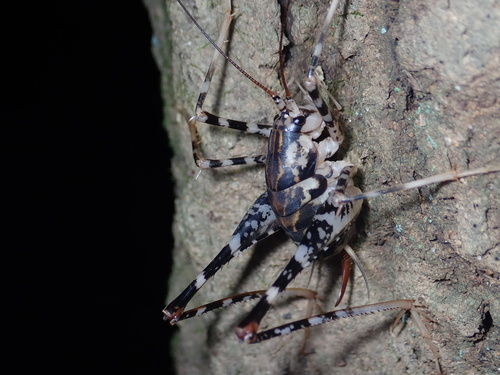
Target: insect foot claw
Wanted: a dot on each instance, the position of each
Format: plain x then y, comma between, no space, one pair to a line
247,334
172,315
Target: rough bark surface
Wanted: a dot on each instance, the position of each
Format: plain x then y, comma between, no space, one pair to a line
419,83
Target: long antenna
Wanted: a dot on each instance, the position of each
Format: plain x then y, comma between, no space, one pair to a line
231,61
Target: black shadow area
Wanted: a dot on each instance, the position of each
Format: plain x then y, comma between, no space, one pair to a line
88,239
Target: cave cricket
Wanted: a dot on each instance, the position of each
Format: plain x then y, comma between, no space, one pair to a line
308,196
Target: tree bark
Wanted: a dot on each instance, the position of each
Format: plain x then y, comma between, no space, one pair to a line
419,83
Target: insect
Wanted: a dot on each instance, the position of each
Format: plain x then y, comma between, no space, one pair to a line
320,163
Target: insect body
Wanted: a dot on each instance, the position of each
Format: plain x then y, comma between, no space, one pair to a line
302,196
299,196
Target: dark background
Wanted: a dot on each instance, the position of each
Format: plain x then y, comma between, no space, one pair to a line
88,238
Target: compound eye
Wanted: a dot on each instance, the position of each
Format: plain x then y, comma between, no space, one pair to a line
296,124
299,120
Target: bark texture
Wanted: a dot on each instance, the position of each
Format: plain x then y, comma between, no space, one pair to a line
419,83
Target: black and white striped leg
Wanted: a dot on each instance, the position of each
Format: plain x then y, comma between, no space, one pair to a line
329,232
308,294
204,163
318,238
449,176
258,223
285,329
208,118
311,84
247,127
405,305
